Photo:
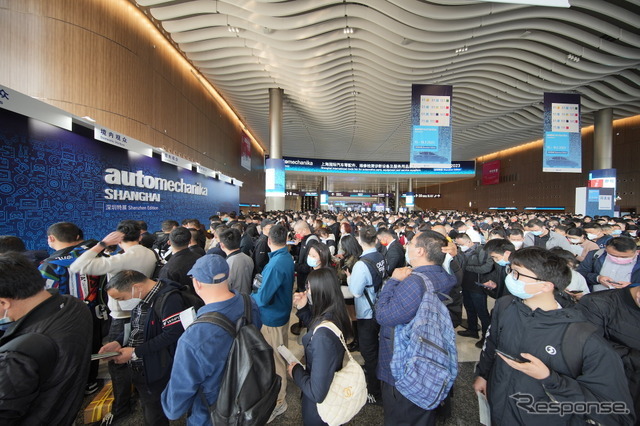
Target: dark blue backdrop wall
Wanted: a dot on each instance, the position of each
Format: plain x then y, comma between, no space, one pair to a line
49,175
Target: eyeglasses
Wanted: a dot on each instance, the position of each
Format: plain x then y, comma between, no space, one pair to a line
516,275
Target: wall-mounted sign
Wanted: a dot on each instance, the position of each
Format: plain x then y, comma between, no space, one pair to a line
313,165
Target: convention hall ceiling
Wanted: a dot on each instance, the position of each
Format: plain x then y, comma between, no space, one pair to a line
347,67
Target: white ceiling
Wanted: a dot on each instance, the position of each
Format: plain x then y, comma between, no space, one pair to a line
348,96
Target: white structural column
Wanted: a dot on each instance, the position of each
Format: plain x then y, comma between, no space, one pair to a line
603,139
275,142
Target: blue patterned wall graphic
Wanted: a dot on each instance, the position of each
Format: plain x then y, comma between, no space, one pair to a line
48,175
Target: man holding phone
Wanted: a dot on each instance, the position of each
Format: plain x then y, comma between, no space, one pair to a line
566,362
615,266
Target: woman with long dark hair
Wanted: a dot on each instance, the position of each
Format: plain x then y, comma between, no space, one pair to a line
352,253
322,301
318,255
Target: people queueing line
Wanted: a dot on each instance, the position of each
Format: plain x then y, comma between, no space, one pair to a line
563,329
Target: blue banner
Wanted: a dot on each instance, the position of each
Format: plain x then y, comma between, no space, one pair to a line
431,126
562,150
48,175
313,165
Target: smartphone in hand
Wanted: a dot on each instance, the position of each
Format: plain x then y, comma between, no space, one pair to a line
511,357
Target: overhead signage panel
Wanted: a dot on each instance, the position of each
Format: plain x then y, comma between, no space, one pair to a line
312,165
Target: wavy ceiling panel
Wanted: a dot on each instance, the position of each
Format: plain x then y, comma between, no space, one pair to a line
348,96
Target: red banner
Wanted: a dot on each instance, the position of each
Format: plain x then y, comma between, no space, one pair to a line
491,173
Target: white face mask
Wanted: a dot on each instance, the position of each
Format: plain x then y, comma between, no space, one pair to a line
127,305
592,236
517,244
574,240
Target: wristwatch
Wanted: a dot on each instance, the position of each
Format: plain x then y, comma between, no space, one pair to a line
134,357
102,244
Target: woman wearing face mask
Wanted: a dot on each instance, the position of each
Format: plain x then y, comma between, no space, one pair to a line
578,240
318,255
323,350
352,252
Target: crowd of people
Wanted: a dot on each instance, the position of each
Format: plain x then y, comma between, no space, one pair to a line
561,344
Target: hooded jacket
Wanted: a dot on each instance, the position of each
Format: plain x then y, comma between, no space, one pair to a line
27,399
516,329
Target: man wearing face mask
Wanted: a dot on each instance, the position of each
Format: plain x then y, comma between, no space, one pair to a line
516,237
274,300
155,329
540,236
614,267
393,253
500,252
615,313
367,275
476,264
595,234
45,350
536,352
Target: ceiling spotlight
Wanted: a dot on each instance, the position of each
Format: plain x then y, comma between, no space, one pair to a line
347,30
573,58
234,30
461,50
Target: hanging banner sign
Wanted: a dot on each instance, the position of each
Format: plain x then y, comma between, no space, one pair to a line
324,198
491,173
562,150
430,126
15,101
109,136
245,152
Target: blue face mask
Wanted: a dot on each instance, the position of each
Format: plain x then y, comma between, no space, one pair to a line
312,262
517,287
502,262
5,322
536,233
616,232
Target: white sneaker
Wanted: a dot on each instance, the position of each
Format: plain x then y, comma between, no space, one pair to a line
280,409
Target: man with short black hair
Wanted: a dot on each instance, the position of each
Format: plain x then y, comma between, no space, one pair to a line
203,349
537,354
146,239
44,352
66,239
595,233
240,265
194,245
181,260
274,298
261,249
155,329
393,253
398,304
367,275
616,266
500,251
539,235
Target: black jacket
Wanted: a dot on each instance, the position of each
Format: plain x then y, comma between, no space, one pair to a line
302,269
477,265
617,316
161,333
516,329
260,256
56,401
323,353
394,257
178,266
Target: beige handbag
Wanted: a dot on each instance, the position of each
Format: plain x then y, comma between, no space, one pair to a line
348,391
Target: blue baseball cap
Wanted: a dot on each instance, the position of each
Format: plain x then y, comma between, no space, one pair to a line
208,267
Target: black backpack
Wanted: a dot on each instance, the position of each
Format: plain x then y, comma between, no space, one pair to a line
250,385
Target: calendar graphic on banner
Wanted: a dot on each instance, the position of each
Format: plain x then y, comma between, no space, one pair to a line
565,118
435,110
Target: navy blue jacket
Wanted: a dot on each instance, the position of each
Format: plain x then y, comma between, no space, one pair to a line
324,353
161,334
590,268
